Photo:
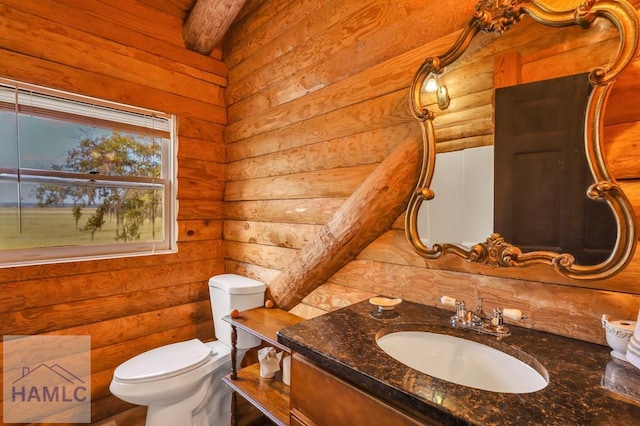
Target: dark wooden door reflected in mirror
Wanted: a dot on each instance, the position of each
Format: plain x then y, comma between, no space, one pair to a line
541,171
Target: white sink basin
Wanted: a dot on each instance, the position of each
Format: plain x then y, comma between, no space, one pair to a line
462,361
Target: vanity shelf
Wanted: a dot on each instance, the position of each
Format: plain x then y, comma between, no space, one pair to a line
270,396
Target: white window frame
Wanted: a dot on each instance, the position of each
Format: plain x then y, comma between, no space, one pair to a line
93,110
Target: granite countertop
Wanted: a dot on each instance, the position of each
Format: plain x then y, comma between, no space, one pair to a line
586,385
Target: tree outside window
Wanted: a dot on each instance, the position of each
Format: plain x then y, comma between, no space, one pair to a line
83,175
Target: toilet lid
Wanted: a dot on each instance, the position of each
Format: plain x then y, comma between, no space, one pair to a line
163,362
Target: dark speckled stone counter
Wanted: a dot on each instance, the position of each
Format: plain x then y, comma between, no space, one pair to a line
586,386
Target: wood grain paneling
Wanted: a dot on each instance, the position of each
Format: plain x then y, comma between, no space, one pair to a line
370,147
34,70
374,114
323,183
257,254
306,103
263,22
130,52
62,46
313,211
65,12
287,235
317,98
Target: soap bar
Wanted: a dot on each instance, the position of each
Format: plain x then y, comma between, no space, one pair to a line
385,303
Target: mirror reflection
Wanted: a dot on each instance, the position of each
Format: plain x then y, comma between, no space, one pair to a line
524,183
534,193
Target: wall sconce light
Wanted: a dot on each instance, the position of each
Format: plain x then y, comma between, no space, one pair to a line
432,85
442,94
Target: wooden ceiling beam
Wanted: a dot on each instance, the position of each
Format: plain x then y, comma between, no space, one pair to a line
207,23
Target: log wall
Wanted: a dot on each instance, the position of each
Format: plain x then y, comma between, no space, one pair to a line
126,52
317,98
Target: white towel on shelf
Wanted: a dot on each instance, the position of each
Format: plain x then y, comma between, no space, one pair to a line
633,350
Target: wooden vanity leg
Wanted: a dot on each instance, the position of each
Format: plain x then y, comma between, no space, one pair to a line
234,352
234,374
234,408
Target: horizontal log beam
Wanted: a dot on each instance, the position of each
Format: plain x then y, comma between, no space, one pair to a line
207,23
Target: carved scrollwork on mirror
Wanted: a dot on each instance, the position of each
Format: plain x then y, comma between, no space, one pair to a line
498,16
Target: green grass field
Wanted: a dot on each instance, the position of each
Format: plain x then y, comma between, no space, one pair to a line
56,226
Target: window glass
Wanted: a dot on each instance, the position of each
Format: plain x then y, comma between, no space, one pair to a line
8,137
82,178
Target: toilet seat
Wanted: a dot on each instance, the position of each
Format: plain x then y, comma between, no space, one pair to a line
164,362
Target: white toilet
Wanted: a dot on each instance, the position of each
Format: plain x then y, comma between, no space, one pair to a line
180,382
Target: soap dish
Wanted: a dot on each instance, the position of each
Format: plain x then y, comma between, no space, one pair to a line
385,307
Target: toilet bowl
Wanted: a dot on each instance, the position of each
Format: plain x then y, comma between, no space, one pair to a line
180,383
173,380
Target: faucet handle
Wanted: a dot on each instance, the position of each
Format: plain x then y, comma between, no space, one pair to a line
461,309
514,314
448,301
479,311
497,319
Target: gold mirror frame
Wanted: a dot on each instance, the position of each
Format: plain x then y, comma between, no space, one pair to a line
497,16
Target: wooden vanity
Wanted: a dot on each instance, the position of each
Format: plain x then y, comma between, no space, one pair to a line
315,397
338,351
270,396
340,376
320,398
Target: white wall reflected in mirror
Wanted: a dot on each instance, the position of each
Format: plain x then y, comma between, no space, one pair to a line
462,210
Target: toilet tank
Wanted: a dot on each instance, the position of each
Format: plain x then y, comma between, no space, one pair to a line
228,292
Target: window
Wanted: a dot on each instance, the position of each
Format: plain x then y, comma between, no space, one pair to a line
82,178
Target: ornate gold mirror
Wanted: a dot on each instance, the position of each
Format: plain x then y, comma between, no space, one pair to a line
496,17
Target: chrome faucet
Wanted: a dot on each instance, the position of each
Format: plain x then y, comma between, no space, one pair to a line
477,320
